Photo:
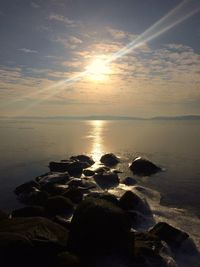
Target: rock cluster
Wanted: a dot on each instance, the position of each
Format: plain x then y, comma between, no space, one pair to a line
69,220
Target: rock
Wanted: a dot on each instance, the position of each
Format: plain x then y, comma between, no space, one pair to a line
171,235
53,178
35,197
102,169
140,221
26,187
59,205
129,181
131,201
35,228
66,259
3,215
83,158
54,189
31,211
105,196
74,168
88,172
143,167
98,226
106,180
74,194
109,159
15,249
81,183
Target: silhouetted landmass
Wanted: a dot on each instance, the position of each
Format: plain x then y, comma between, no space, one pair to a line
104,117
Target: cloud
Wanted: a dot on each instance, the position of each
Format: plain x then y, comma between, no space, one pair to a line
63,19
116,34
35,5
27,50
71,42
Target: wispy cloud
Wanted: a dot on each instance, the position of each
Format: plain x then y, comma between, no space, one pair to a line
27,50
63,19
35,5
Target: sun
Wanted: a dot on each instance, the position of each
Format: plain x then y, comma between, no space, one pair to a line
99,69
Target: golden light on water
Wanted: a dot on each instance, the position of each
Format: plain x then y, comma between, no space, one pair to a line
99,69
97,136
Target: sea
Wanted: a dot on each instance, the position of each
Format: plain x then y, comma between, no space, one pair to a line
28,145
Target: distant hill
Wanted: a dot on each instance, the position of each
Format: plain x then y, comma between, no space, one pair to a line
104,117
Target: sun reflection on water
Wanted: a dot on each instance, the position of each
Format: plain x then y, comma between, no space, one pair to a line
97,139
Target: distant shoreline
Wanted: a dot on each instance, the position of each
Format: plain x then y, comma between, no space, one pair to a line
114,118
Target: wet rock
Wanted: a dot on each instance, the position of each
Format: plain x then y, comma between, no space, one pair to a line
74,194
59,166
131,201
35,197
81,183
129,181
143,167
15,249
31,211
54,189
74,168
140,221
59,205
83,158
26,187
66,259
106,180
88,172
105,196
35,228
102,169
3,215
109,159
171,235
98,226
62,221
53,178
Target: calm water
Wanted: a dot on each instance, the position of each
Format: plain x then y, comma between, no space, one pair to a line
26,147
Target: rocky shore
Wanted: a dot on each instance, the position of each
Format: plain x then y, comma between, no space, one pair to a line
71,218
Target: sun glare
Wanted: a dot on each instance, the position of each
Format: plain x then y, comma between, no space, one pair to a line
98,69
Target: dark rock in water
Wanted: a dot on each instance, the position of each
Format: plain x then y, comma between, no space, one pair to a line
129,181
35,197
31,211
53,178
74,168
15,250
3,215
171,235
26,187
54,189
88,172
62,166
62,221
140,221
98,226
109,159
102,169
131,201
83,158
141,166
35,228
105,196
59,205
66,259
106,180
81,184
74,194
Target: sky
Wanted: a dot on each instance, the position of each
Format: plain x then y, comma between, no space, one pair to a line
108,57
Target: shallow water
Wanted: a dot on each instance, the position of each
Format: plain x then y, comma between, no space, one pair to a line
26,147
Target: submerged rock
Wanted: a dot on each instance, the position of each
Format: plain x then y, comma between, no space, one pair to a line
106,180
141,166
53,178
26,187
171,235
98,226
109,159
